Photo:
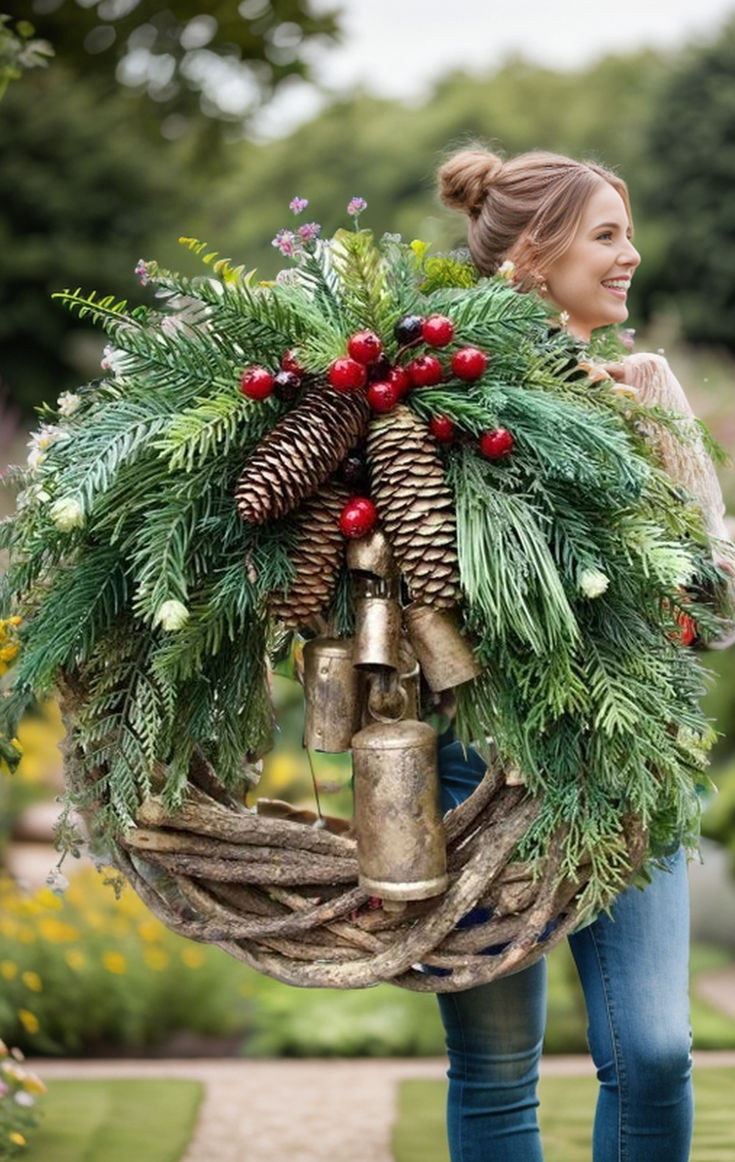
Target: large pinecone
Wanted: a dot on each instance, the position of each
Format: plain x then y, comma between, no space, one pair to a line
316,557
415,505
300,452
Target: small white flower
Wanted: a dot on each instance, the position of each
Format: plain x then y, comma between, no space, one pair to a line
507,269
57,881
24,1099
112,358
593,582
171,615
563,318
67,514
67,403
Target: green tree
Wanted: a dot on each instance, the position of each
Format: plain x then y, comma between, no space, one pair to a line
82,195
691,147
185,58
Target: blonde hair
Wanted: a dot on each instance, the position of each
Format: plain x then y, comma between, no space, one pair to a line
526,209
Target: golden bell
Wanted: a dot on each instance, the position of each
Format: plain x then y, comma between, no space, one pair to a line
401,850
444,653
377,633
390,694
332,694
371,554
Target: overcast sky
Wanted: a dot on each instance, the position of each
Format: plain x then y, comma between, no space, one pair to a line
398,48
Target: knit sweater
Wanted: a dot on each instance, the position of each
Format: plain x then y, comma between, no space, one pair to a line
687,463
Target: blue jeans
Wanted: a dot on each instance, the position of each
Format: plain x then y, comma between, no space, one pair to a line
634,973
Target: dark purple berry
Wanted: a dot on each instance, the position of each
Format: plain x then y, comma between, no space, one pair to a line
353,470
409,329
380,369
287,385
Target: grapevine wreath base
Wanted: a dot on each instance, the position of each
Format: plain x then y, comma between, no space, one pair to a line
402,479
283,897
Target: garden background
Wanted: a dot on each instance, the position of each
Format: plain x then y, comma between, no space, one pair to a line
141,128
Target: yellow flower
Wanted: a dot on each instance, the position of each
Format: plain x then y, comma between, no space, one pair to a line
16,1138
28,1020
149,931
47,899
8,969
33,1084
75,958
114,962
56,931
32,981
193,957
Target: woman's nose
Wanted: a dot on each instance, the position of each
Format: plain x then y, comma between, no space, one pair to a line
630,256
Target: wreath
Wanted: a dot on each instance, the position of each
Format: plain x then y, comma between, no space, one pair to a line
408,471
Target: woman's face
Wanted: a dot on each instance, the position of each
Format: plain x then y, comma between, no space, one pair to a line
590,280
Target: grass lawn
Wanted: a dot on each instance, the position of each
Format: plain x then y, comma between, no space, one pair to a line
567,1105
115,1121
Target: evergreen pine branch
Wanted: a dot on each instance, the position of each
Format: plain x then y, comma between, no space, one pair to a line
105,312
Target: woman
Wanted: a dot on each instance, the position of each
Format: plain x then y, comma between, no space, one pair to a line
566,228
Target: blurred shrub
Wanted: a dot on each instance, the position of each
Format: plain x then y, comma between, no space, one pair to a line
89,972
19,1088
37,774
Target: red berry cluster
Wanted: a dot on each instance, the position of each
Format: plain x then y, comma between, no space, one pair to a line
258,383
366,366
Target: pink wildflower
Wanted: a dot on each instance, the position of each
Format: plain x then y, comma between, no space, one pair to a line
356,207
141,270
284,241
309,231
298,204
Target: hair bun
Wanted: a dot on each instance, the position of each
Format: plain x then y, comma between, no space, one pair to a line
466,177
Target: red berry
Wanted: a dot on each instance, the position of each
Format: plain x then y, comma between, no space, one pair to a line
358,517
289,362
687,628
497,443
425,371
399,377
256,383
383,395
364,346
347,375
469,363
442,429
438,330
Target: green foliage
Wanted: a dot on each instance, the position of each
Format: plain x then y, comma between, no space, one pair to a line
146,597
188,50
687,188
19,50
90,973
83,195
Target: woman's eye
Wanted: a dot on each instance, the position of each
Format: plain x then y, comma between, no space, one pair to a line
605,236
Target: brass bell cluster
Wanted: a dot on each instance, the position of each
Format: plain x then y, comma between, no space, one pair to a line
362,694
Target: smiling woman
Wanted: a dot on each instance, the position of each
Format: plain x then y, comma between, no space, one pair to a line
563,228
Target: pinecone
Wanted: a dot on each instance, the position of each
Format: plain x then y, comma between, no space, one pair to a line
300,452
416,506
316,557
